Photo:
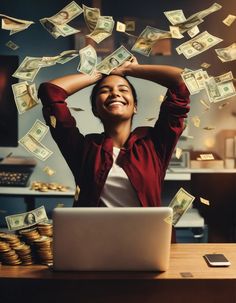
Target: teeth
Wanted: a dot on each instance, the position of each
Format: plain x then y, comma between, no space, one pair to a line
115,103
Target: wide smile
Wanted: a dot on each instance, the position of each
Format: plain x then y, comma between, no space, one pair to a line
115,102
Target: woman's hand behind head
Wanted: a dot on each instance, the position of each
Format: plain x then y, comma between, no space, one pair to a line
122,69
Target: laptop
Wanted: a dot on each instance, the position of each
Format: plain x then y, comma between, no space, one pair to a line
111,239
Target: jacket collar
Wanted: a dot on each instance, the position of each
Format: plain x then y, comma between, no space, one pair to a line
136,134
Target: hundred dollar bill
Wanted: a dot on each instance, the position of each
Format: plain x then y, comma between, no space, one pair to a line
27,219
198,44
180,203
194,80
38,130
118,57
88,60
229,20
227,54
65,15
220,88
103,29
175,16
24,96
197,18
36,148
148,38
13,24
91,16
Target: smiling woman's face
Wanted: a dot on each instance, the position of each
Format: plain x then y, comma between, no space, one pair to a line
114,99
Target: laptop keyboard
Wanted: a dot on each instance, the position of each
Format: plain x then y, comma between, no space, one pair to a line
11,178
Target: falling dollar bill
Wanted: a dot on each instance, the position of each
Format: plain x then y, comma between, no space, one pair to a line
38,130
10,44
175,16
148,37
66,30
227,54
205,65
178,152
115,59
193,31
88,60
28,69
13,24
68,13
180,203
198,44
91,15
49,171
57,25
175,32
207,157
35,147
25,96
196,121
194,80
204,201
50,27
66,56
27,219
220,88
229,20
53,121
120,27
197,18
103,29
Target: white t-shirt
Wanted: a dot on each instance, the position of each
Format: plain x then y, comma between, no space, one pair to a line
118,191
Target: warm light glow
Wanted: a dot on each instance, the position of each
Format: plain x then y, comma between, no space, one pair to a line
209,142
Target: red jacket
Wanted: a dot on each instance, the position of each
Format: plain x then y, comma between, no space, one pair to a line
144,158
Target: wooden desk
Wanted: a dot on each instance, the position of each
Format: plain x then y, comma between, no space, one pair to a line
212,285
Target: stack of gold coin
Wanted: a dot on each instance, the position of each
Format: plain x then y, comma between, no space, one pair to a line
29,235
12,239
44,187
45,229
8,255
25,254
43,250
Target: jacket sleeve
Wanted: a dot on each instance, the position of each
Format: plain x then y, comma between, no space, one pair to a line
170,123
62,124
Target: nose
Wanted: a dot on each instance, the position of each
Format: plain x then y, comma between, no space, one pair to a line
114,92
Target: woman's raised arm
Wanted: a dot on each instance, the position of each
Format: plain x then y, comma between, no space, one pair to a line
74,82
165,75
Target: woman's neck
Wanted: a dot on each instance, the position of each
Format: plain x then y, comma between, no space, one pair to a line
119,133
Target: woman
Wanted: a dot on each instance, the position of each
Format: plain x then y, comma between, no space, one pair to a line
119,167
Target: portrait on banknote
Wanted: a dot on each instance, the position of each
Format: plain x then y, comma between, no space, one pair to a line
30,218
199,46
60,18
